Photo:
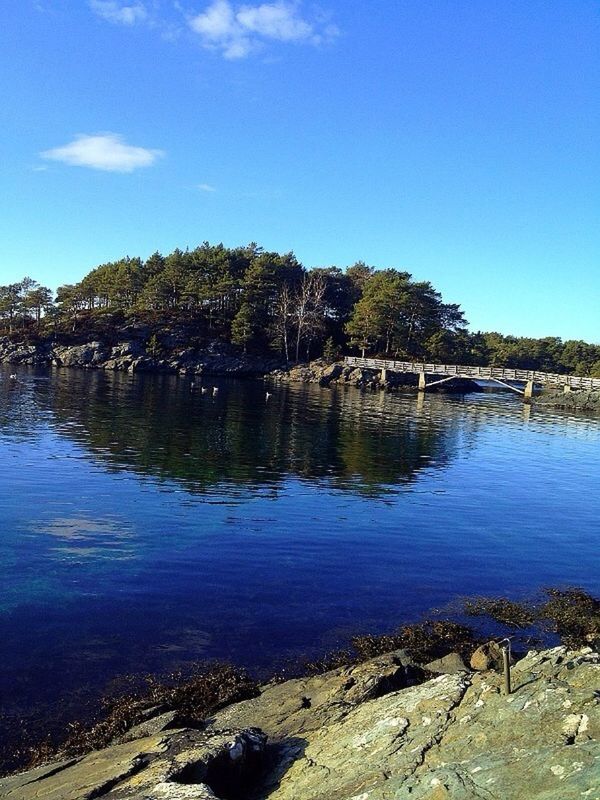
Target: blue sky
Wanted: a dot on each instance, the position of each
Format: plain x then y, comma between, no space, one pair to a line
455,139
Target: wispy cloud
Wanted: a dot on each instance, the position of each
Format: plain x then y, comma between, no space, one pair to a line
206,187
232,28
237,31
120,13
104,151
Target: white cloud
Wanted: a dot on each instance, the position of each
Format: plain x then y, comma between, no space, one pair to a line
105,151
119,13
206,187
237,31
219,28
217,22
275,21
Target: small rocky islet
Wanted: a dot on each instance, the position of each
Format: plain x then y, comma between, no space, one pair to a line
368,731
133,354
177,357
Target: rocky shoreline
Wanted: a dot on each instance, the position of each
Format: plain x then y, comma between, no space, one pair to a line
218,359
325,374
588,402
368,731
134,354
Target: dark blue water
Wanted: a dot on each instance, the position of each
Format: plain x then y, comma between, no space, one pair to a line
145,526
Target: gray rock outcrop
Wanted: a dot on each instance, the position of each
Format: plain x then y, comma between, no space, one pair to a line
458,737
28,354
173,765
587,401
138,355
365,733
91,354
488,656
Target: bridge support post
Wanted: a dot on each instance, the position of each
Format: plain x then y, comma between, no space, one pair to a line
422,383
528,393
566,388
383,376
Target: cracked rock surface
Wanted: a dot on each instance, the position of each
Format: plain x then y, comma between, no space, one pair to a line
362,733
305,704
173,765
457,737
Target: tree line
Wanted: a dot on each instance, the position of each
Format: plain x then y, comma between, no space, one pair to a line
269,302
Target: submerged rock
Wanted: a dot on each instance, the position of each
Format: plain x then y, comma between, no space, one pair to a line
362,733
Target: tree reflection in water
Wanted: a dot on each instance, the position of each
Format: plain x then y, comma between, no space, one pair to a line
159,426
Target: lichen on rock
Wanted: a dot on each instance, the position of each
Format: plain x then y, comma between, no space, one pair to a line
361,733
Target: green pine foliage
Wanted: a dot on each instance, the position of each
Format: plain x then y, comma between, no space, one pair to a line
263,302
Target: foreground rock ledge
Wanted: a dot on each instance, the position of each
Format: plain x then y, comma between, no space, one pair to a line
352,734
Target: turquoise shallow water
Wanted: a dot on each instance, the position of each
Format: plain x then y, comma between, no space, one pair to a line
145,525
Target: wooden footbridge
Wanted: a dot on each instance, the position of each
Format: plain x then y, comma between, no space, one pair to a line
442,373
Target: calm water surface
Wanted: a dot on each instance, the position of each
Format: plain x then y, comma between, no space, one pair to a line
145,525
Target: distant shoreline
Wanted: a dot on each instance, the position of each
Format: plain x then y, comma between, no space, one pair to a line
132,356
222,360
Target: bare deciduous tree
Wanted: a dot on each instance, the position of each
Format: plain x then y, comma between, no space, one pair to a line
309,309
282,325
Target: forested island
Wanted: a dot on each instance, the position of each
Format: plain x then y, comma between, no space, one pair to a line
263,303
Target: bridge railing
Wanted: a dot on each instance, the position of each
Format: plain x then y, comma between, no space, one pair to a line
483,373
